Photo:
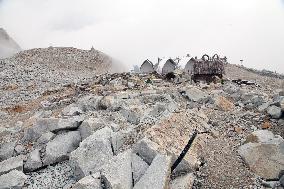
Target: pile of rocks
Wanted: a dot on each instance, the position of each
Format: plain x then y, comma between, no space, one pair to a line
127,130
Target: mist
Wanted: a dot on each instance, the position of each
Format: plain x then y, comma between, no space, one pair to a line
134,30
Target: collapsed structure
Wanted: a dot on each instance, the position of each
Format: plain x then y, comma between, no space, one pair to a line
204,69
208,68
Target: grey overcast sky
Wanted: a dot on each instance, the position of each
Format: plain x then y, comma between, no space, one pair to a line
133,30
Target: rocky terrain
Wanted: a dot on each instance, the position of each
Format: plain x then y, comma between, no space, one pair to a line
76,127
8,46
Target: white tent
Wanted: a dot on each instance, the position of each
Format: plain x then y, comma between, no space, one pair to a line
186,64
166,66
147,67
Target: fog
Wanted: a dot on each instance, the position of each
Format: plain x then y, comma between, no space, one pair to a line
133,30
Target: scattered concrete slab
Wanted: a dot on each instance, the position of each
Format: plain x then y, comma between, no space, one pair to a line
146,149
89,103
117,173
13,163
157,175
7,150
13,180
89,182
34,162
61,146
92,153
67,124
139,167
183,182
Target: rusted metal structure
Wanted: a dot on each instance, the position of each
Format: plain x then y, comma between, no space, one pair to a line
208,68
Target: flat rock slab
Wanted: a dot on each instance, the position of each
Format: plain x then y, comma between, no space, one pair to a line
7,150
183,182
274,111
92,153
13,180
13,163
89,182
157,175
117,173
61,146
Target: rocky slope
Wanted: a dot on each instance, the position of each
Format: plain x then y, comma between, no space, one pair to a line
8,46
127,130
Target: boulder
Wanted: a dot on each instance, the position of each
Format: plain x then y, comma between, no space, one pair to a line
13,163
183,182
223,104
146,149
91,125
196,95
92,153
263,153
7,150
139,167
282,104
44,139
44,125
61,146
117,173
157,175
89,182
72,110
274,111
282,181
33,162
89,103
131,116
13,180
263,107
67,124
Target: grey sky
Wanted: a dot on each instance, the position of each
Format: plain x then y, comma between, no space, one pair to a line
132,30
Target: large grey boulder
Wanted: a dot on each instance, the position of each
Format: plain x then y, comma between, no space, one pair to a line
146,149
92,153
13,180
89,103
274,111
34,162
139,167
44,139
264,154
183,182
117,173
13,163
89,182
72,110
7,150
131,116
157,175
61,146
196,95
44,125
90,126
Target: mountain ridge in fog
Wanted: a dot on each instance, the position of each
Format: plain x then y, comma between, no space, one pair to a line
8,46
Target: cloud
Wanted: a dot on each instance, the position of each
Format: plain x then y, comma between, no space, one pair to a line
133,30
